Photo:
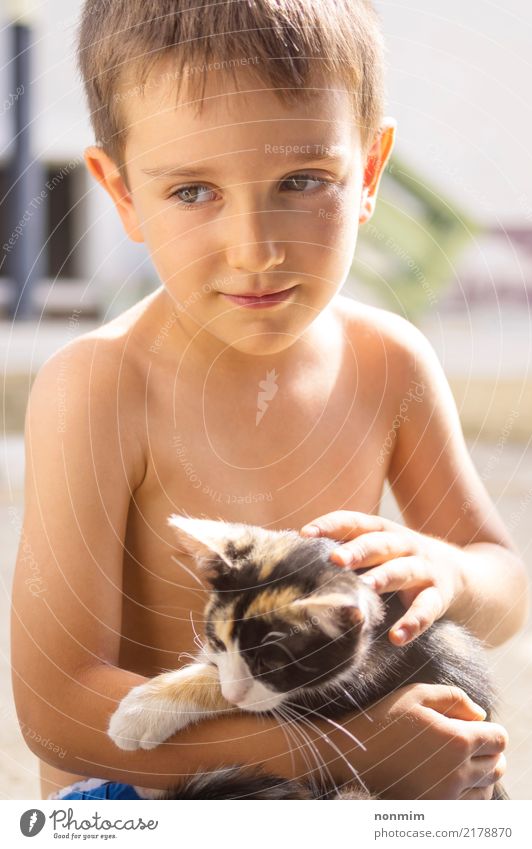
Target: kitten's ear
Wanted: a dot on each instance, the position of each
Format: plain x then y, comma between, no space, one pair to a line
334,613
204,539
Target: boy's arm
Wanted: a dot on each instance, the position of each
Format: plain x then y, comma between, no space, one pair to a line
440,494
67,592
83,462
455,556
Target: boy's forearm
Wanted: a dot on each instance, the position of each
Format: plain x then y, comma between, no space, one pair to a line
238,739
494,598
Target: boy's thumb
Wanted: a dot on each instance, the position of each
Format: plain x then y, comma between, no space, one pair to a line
452,701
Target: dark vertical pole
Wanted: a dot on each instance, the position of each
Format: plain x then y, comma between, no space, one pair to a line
26,179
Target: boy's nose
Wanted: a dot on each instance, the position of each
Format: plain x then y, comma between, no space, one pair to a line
250,247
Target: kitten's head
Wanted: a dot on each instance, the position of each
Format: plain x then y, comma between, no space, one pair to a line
281,616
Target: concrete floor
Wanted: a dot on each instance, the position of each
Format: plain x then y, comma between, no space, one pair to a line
508,477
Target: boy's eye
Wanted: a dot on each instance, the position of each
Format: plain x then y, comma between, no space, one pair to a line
302,182
189,195
197,194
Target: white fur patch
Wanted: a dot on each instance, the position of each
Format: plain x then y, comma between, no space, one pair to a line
239,686
145,718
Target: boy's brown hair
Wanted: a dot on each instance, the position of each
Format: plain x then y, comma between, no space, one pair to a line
284,41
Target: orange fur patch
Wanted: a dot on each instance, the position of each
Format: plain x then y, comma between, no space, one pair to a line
269,552
201,687
274,601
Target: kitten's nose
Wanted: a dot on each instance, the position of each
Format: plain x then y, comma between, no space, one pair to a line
234,691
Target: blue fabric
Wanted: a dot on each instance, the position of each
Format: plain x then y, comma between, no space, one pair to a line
108,790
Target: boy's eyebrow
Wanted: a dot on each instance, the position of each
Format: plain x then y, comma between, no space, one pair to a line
299,153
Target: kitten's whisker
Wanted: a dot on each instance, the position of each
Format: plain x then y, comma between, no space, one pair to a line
301,746
197,639
189,572
280,720
308,748
323,769
320,763
334,746
358,707
337,750
289,730
344,730
291,736
340,728
186,654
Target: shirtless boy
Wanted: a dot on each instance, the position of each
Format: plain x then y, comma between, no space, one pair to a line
253,189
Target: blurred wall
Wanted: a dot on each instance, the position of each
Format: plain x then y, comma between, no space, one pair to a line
460,90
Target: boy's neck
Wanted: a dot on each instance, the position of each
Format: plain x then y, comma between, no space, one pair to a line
189,346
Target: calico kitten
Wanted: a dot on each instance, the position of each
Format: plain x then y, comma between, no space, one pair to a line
287,632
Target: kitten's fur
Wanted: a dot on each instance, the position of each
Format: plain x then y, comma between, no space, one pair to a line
288,631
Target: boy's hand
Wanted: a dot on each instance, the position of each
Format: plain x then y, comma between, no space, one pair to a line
429,742
419,567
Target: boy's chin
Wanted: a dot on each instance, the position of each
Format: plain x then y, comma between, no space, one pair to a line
259,341
263,344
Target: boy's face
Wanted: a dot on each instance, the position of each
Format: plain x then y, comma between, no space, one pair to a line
271,202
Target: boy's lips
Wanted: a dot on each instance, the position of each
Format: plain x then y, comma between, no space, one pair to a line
267,300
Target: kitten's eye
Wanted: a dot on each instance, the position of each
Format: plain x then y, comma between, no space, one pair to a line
268,664
216,643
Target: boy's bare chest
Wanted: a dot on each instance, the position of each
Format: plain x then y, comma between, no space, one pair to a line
267,451
277,458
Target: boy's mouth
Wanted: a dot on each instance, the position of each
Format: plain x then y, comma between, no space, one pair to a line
267,300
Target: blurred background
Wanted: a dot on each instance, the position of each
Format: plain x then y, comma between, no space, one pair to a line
450,248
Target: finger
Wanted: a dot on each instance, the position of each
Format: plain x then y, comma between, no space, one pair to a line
454,702
427,607
492,739
484,738
371,549
399,574
486,770
345,525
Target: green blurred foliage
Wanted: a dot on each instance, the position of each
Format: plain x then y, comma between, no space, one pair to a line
406,253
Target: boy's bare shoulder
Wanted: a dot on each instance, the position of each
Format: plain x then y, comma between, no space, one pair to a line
110,355
379,332
93,389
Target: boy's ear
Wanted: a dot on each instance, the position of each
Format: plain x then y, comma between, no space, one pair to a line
105,171
376,160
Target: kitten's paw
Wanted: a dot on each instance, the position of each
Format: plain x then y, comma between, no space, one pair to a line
144,720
